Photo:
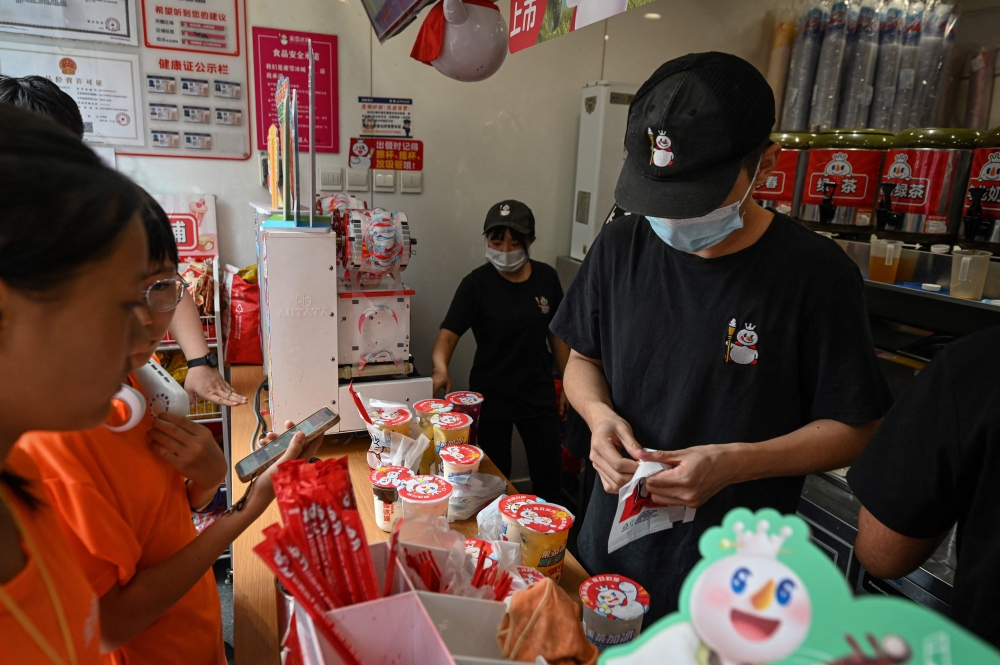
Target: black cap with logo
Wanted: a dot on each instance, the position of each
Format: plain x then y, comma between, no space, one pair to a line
512,214
689,128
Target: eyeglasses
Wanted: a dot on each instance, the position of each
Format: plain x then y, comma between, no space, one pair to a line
164,295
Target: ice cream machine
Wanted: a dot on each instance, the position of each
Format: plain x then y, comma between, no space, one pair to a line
334,309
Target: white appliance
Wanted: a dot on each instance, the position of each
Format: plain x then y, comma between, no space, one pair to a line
330,314
599,158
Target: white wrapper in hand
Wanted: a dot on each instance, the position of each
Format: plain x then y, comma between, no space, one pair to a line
637,515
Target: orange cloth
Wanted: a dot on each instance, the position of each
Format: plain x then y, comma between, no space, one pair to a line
543,620
28,590
124,509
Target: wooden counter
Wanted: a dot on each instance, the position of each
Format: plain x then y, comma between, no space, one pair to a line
255,632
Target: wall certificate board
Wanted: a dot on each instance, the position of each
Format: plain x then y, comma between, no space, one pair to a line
105,85
108,21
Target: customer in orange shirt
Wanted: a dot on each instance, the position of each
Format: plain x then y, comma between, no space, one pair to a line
125,499
72,260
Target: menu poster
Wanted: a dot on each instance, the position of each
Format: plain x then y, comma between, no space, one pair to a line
108,21
386,117
105,86
280,53
196,26
192,219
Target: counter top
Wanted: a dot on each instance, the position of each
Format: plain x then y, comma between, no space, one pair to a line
255,624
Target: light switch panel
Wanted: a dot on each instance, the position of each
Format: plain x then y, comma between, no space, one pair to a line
385,181
357,180
411,182
331,180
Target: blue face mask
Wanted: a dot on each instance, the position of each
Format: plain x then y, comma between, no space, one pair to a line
697,233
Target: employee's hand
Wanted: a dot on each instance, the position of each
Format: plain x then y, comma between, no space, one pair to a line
190,448
610,436
262,493
206,382
442,381
563,404
699,473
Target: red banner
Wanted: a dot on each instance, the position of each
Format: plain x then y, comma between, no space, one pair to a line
985,173
853,175
780,185
920,178
285,53
392,154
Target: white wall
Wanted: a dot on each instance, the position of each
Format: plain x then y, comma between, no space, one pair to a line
512,136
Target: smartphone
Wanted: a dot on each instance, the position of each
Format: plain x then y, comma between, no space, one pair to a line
314,426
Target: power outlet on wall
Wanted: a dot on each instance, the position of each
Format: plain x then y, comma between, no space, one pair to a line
385,181
357,180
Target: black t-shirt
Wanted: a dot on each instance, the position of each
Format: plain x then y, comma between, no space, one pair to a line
740,348
936,459
510,321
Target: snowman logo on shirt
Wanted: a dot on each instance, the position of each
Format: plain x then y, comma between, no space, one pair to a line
543,304
743,349
661,155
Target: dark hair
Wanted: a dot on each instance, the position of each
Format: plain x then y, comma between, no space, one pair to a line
62,207
159,234
498,232
62,210
752,158
40,95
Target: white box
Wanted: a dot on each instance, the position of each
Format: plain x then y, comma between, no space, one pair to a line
374,326
299,319
468,626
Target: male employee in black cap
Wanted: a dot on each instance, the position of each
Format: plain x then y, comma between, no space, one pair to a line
509,303
728,338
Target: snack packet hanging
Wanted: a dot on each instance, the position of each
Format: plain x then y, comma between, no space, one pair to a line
637,515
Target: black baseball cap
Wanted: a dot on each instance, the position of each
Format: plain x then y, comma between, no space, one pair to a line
512,214
689,128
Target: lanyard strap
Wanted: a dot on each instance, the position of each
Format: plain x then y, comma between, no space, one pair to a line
18,613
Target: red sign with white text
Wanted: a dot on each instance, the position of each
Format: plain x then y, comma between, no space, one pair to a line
920,178
851,174
285,53
780,185
208,26
985,173
393,154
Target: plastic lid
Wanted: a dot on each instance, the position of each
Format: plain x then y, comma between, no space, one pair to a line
461,454
933,288
432,406
390,476
509,505
389,417
427,489
452,421
544,518
530,575
937,137
940,249
614,596
464,398
990,139
793,140
878,139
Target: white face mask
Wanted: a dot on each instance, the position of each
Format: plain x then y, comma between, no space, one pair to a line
506,261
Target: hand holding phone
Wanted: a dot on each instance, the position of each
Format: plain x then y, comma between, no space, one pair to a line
312,428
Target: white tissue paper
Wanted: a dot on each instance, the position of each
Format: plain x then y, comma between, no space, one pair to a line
637,515
469,497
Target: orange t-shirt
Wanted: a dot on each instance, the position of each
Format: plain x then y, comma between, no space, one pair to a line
30,594
125,509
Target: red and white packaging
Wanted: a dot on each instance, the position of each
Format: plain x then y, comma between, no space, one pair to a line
779,189
924,186
637,515
985,173
852,172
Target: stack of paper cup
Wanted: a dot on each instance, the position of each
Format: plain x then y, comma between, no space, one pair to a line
425,495
613,609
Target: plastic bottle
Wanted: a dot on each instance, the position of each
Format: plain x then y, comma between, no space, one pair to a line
826,94
860,69
907,66
802,71
932,30
892,14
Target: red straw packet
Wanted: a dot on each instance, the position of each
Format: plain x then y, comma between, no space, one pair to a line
363,555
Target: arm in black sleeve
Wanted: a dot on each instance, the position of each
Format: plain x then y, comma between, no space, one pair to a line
463,310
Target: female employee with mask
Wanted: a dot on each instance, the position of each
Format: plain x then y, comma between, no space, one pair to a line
509,304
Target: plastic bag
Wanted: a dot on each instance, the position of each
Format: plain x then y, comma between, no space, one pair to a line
243,341
637,515
394,449
470,497
435,559
490,520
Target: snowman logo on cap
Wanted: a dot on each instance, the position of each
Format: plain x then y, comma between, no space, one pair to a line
991,169
505,210
661,155
900,170
838,165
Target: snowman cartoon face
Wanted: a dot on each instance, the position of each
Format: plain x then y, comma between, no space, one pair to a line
991,169
838,165
662,142
746,337
900,170
360,149
426,488
610,597
751,609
